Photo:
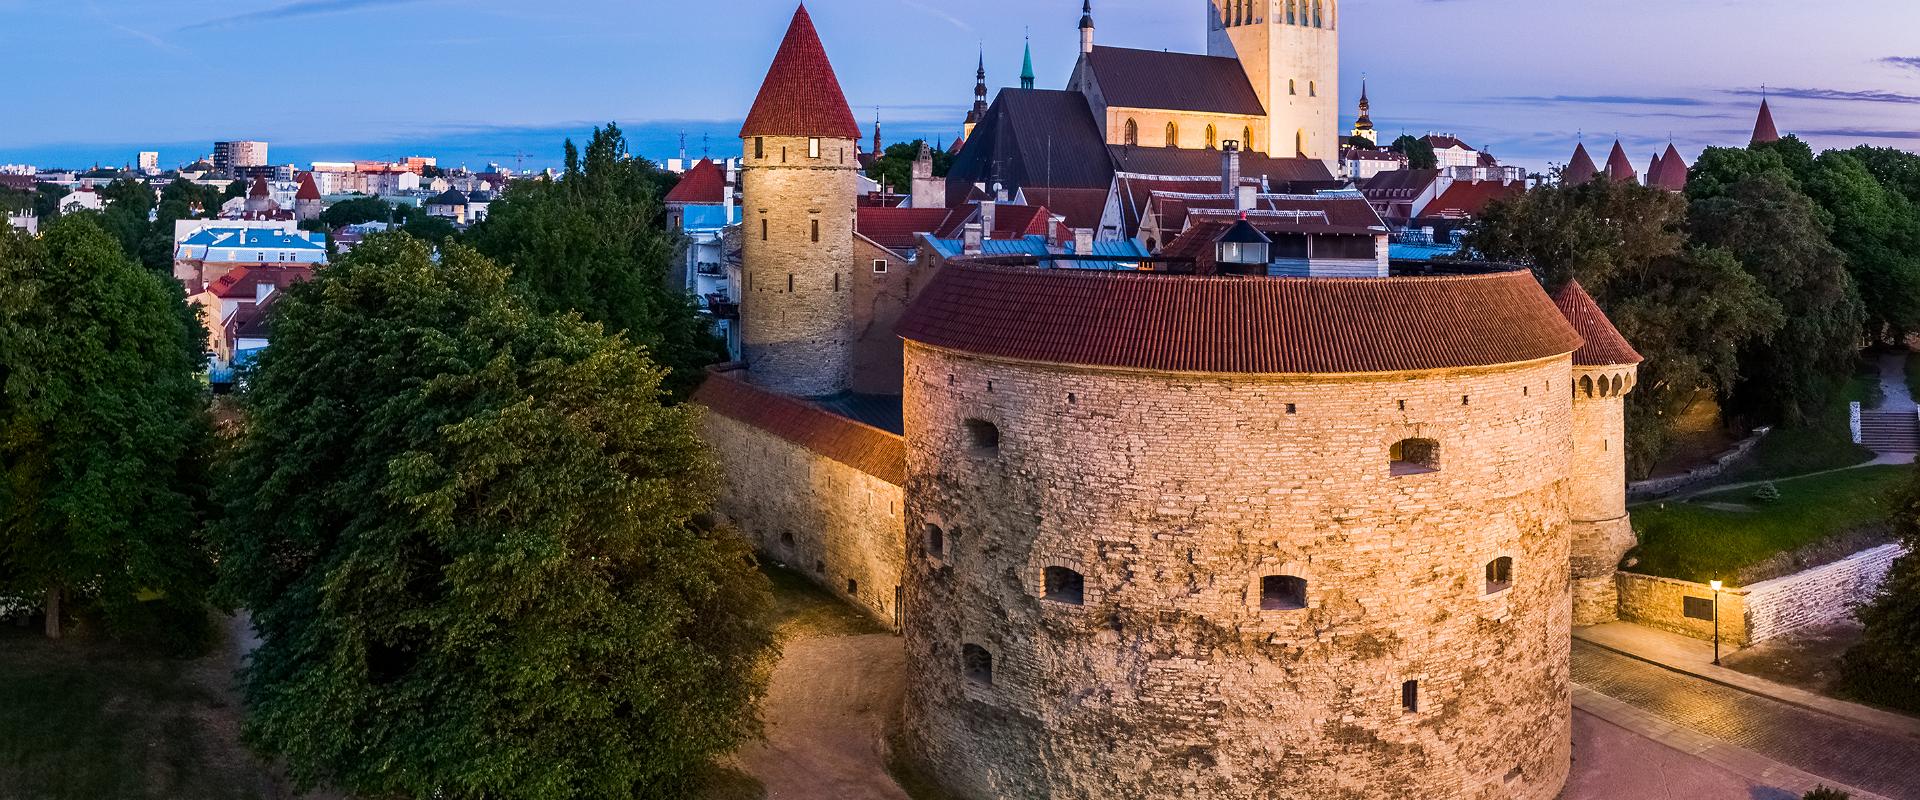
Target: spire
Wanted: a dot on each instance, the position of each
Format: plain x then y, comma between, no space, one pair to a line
1763,130
1580,168
1365,122
1619,167
876,130
1086,26
801,95
979,111
1026,69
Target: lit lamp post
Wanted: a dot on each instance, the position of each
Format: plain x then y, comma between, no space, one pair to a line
1242,249
1716,621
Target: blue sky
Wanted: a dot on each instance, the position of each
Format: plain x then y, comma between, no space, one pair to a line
487,80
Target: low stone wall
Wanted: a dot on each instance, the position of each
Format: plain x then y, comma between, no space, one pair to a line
812,490
1762,611
1659,487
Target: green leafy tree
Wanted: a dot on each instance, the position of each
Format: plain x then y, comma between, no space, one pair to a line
1879,230
357,210
595,241
424,226
1898,170
468,535
1780,237
103,432
1884,666
1419,152
894,167
1688,310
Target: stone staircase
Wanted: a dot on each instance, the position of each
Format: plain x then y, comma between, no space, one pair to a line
1890,431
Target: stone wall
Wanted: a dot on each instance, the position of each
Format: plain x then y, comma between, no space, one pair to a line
813,491
796,298
879,298
1602,531
1173,497
1659,487
1822,595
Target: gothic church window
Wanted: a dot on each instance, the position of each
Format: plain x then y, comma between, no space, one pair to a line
1130,133
1300,143
1292,17
1316,13
1246,138
1213,138
1292,86
1173,134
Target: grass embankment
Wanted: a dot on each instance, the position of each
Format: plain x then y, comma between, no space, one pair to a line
1819,445
85,719
1693,542
802,608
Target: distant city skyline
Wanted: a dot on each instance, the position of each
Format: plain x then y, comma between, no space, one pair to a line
496,81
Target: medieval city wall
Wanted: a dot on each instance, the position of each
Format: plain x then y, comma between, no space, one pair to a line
879,298
1751,614
1602,530
814,491
1173,498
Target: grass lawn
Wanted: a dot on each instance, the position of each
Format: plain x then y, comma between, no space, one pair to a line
1692,542
802,608
87,719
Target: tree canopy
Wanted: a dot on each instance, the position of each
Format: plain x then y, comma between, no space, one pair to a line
357,210
1419,151
105,434
894,167
1884,666
1688,309
468,534
595,241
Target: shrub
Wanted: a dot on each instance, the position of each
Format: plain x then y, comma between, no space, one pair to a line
1824,793
1768,492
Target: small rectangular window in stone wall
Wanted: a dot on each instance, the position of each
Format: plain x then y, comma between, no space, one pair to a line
1697,607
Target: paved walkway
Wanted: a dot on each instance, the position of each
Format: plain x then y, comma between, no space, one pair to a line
1882,459
1792,741
1893,384
826,714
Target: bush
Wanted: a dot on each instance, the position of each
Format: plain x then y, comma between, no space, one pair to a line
1768,492
1824,793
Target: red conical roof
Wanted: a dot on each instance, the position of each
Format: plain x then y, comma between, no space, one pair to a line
1619,168
1604,345
1763,129
1580,169
801,96
259,188
308,191
1671,175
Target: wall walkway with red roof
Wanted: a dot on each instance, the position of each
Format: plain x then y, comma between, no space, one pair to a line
863,447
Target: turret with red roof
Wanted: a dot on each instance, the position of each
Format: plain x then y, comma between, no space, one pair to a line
1580,168
1764,131
1619,167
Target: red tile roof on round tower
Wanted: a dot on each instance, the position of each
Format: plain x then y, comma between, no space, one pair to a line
801,96
1672,173
1763,130
308,191
1580,168
1604,344
705,183
1619,167
1177,323
259,188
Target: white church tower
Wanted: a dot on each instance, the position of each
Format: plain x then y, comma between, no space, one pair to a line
1291,52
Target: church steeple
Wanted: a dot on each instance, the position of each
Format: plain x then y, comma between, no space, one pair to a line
979,111
1363,126
1026,69
1086,26
1764,131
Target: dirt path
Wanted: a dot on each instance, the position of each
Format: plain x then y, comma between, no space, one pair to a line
826,715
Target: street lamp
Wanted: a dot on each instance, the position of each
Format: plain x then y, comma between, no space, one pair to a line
1716,621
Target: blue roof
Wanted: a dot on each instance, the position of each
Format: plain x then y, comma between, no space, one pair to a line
1420,251
1036,246
703,217
262,238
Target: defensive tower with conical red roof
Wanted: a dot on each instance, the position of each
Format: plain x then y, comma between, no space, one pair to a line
798,181
1605,369
1764,131
1580,168
1619,167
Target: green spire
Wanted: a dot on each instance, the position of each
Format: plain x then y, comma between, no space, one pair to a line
1026,70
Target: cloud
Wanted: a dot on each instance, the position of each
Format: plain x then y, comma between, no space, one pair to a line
1909,62
298,8
1842,95
1862,133
1610,100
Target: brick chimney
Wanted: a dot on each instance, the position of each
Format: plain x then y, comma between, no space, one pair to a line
1229,167
989,210
970,239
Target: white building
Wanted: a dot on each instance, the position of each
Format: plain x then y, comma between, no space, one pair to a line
229,157
149,162
82,200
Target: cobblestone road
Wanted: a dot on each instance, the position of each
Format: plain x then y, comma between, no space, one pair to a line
1859,756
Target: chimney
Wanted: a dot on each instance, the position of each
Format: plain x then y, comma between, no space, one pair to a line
1054,223
1230,167
988,211
732,181
1083,241
970,239
1245,197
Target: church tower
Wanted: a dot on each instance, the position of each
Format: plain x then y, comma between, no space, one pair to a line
1363,125
1290,50
798,183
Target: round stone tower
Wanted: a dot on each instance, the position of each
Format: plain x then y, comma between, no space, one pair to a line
1237,537
798,184
1604,371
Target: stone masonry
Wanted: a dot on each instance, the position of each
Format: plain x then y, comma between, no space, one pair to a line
1172,497
796,308
1750,614
1602,532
